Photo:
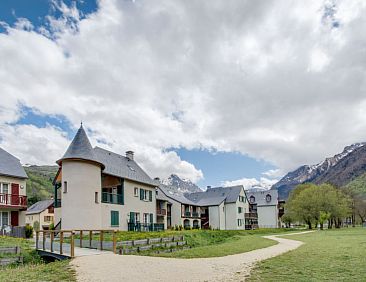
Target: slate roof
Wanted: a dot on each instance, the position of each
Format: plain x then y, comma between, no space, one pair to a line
80,148
120,166
39,207
210,197
215,196
161,196
172,193
260,197
10,165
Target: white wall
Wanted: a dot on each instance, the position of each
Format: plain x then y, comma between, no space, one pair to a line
267,216
79,210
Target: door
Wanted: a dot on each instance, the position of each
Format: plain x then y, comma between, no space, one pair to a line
15,194
14,218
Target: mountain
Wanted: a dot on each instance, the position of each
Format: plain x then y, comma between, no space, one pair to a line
39,183
182,185
338,170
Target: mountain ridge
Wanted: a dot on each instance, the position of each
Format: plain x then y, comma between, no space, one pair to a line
337,170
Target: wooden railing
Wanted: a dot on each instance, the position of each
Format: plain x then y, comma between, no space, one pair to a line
71,236
161,212
13,200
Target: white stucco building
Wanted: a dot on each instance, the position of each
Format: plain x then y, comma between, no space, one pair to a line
265,203
99,189
13,199
224,208
41,212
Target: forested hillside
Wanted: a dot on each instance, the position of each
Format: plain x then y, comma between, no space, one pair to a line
39,184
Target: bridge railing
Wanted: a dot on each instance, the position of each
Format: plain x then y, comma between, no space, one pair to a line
59,239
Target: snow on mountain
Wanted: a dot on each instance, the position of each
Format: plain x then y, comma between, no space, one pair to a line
182,185
337,170
252,184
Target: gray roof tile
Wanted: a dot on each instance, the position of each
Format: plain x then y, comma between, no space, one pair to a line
121,166
10,165
215,196
80,148
39,207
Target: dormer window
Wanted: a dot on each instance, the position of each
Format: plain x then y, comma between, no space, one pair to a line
268,198
252,199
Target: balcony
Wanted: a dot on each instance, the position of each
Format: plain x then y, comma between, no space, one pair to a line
187,214
9,200
251,215
110,198
161,212
145,227
195,214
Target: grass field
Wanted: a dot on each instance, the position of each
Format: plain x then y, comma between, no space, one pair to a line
330,255
33,268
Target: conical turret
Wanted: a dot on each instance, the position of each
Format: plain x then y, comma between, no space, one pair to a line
80,149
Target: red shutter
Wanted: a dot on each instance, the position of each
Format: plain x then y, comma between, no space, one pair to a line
15,194
14,219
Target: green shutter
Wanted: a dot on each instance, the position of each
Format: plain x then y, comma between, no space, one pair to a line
114,218
151,218
141,194
150,196
132,217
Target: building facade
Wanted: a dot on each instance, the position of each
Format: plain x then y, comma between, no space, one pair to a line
99,189
265,203
41,214
13,199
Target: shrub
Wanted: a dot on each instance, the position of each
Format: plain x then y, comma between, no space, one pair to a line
180,227
176,228
36,225
28,231
52,226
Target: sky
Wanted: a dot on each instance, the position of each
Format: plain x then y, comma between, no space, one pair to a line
217,92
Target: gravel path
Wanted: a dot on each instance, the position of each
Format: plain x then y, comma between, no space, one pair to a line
110,267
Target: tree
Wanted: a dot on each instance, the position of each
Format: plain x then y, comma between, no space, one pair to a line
315,204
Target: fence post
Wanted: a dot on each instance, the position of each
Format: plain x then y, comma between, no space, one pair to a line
72,251
37,238
61,241
44,240
52,234
81,238
115,241
101,240
90,238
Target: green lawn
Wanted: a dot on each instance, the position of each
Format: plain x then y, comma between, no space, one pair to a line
330,255
33,268
210,243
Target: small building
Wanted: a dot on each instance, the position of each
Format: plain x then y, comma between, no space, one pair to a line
98,189
265,204
41,212
224,208
13,199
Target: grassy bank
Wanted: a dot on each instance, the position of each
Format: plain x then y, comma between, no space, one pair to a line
210,243
33,269
337,255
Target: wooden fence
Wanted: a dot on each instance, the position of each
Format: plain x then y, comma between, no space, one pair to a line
13,231
15,256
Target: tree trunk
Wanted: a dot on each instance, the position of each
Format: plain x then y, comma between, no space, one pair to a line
321,226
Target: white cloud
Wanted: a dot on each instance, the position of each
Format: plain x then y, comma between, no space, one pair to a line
150,76
248,183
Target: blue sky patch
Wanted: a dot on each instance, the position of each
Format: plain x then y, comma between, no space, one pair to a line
222,166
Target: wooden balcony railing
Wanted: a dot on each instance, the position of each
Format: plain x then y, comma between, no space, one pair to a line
161,212
13,200
251,215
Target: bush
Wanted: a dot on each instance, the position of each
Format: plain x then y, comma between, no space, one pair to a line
52,226
28,231
36,225
180,227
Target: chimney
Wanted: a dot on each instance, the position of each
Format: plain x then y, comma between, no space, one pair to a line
157,179
129,155
209,187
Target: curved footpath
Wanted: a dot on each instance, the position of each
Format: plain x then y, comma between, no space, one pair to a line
110,267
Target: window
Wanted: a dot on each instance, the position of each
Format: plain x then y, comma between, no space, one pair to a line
4,188
150,196
146,218
240,222
146,195
114,218
268,198
96,200
252,199
242,199
65,186
136,192
240,210
48,218
4,218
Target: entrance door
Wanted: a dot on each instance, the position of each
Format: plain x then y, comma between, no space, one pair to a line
15,194
14,219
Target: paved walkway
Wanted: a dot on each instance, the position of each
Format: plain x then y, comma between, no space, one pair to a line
110,267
